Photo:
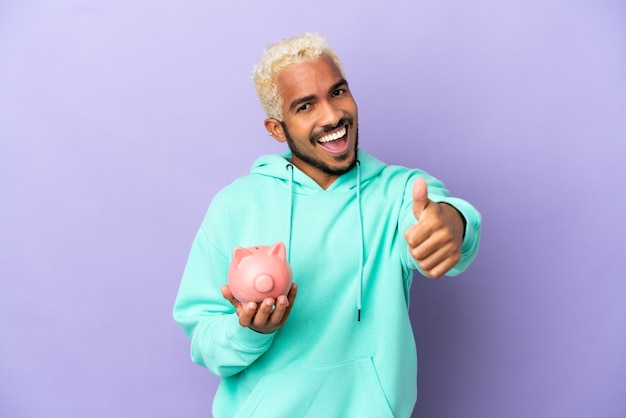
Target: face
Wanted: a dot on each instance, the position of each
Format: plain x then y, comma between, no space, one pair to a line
319,119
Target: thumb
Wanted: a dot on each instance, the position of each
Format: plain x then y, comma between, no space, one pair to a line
420,197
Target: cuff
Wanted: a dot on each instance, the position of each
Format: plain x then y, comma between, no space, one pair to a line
248,338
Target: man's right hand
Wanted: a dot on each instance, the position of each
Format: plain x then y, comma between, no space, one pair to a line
265,317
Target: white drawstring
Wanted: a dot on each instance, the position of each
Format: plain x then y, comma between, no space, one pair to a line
362,253
290,214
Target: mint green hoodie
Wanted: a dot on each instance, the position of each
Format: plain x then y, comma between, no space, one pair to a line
347,348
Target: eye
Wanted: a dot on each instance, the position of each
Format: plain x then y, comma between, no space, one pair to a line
304,107
338,92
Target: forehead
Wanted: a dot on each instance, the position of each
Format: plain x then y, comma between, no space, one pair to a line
308,78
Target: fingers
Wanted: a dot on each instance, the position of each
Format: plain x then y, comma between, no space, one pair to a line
228,295
270,315
246,313
291,297
423,240
438,262
420,197
267,318
285,303
260,319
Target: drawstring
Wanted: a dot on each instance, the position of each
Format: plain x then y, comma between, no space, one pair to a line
362,252
290,214
359,296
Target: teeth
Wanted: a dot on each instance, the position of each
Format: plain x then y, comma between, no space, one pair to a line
334,136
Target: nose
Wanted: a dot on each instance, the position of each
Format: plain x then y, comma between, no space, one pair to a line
329,114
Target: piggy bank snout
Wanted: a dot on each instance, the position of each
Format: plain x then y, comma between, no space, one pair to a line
263,283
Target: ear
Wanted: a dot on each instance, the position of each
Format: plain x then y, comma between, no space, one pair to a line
239,253
279,250
275,129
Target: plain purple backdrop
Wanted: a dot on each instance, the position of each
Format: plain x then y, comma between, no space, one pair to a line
120,120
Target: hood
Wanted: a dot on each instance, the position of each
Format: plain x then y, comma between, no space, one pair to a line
277,166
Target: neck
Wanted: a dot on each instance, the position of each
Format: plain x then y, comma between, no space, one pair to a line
322,178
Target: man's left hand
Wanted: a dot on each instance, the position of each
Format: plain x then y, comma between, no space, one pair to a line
435,240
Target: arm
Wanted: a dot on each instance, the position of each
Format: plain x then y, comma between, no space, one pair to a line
218,340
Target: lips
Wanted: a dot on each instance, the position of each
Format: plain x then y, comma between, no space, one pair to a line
335,141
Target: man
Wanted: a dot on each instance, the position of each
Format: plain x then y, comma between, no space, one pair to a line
355,230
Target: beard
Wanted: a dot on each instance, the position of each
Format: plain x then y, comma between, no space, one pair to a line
321,165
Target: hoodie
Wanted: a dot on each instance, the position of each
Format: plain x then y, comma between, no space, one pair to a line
347,348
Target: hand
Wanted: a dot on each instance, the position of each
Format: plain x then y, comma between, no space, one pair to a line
436,240
265,317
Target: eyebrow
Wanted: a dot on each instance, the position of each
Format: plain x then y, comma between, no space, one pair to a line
304,99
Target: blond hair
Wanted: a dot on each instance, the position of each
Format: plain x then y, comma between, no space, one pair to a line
277,57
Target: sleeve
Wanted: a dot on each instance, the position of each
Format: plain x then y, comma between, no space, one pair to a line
438,193
218,342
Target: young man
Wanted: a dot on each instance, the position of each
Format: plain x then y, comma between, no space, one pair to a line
355,230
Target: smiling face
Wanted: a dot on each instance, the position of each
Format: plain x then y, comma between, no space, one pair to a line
319,119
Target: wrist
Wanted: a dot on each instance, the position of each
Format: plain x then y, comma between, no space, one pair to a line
459,215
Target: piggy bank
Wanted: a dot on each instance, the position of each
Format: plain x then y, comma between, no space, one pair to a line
259,272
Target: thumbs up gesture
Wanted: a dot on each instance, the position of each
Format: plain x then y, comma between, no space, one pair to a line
435,240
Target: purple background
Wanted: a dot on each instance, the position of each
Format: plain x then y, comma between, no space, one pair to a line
119,121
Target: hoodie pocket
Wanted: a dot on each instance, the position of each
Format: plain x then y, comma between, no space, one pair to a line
349,389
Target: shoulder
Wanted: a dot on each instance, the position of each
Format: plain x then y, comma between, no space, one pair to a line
238,189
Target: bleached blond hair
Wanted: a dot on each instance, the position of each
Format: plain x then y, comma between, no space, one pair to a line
280,55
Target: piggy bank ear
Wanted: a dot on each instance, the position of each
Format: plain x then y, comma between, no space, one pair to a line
279,250
239,254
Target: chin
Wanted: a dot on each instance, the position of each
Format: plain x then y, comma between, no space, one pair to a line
349,164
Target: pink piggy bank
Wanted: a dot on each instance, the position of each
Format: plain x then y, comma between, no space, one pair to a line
259,272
